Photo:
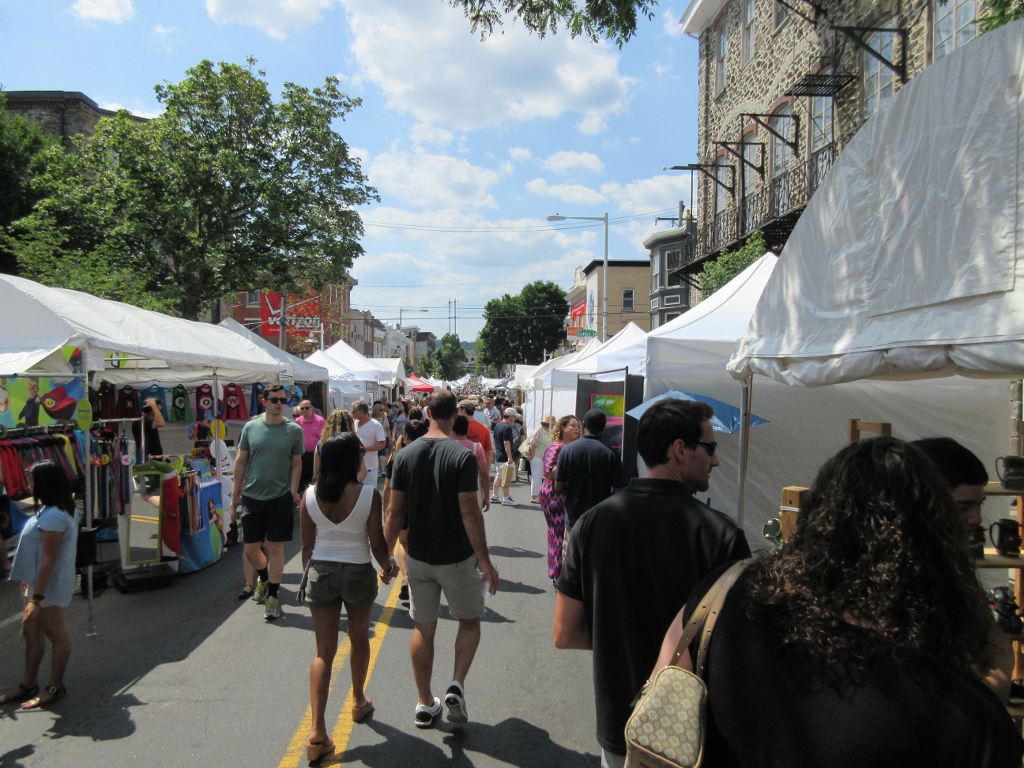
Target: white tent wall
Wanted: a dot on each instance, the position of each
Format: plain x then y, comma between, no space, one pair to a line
807,426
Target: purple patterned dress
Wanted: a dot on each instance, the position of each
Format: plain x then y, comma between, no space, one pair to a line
553,505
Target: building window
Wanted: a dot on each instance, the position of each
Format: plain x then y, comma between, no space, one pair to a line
749,12
781,13
252,298
672,300
954,25
723,46
654,321
782,155
656,271
751,157
878,78
821,122
721,192
655,302
670,316
627,299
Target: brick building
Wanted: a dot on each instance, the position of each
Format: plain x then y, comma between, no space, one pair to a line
335,309
62,114
784,85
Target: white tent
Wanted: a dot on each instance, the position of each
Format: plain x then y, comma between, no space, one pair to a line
805,426
363,367
907,260
40,321
296,367
523,376
393,364
543,399
626,348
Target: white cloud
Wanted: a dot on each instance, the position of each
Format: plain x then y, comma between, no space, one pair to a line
275,17
564,162
520,154
568,193
161,35
117,11
423,179
425,133
634,140
428,64
659,68
671,23
113,106
648,195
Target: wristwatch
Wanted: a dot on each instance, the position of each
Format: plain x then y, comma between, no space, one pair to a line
37,598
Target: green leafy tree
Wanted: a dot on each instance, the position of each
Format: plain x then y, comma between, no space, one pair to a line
450,357
730,263
427,366
517,329
226,190
1000,12
613,19
21,149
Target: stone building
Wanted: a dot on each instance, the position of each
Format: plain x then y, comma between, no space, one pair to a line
62,114
784,85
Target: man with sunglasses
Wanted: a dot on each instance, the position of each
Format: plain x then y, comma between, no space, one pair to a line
312,427
634,558
267,473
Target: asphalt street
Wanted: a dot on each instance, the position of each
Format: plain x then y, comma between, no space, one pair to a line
191,676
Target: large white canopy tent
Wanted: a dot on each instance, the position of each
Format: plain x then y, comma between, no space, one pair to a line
360,365
542,399
805,426
623,350
296,367
344,386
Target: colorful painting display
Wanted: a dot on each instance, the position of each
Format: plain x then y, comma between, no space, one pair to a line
41,400
613,406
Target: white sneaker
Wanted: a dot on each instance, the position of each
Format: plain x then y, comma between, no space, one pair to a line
509,502
455,700
494,499
272,610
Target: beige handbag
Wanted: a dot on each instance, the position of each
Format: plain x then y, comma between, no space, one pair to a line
666,729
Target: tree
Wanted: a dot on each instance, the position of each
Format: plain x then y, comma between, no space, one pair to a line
517,329
21,146
613,19
450,356
1001,12
730,263
226,190
427,365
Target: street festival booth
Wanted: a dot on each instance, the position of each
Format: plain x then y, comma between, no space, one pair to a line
343,386
419,385
805,427
296,368
397,369
542,398
905,266
47,356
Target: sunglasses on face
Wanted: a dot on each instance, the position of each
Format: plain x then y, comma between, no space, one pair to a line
709,445
277,400
305,408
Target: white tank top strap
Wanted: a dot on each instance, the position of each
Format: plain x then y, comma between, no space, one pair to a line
313,509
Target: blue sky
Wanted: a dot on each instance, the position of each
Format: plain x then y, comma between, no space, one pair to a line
471,144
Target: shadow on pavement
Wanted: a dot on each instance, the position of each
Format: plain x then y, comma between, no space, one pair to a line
500,551
10,759
513,741
518,587
137,633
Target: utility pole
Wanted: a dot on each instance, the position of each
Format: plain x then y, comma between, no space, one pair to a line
282,331
456,316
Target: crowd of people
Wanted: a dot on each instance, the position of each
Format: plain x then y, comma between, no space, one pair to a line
865,639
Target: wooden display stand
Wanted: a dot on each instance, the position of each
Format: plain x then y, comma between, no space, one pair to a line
880,428
789,509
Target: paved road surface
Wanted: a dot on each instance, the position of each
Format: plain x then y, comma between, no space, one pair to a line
189,676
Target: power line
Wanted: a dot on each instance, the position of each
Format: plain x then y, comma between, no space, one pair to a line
529,228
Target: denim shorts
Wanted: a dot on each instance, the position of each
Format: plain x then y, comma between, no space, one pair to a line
330,583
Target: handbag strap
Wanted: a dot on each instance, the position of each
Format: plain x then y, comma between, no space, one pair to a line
705,616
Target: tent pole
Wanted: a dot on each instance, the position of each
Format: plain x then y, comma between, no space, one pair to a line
746,386
87,458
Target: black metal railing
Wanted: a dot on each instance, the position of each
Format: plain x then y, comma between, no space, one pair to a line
781,196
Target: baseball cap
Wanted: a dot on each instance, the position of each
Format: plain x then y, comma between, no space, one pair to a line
511,412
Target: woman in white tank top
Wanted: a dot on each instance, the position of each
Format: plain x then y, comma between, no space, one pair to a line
341,525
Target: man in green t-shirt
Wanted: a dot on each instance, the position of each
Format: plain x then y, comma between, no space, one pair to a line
267,472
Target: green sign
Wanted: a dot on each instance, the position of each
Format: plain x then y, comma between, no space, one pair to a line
586,332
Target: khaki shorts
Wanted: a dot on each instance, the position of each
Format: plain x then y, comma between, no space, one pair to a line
330,583
460,583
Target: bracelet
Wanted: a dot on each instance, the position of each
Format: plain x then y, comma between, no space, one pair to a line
38,597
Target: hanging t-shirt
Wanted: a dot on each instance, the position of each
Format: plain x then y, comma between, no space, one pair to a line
170,525
107,402
128,406
234,403
180,408
204,402
256,406
157,393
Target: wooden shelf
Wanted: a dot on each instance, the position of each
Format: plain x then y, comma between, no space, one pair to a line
992,560
996,489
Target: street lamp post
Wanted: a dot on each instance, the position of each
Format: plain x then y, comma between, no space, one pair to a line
604,289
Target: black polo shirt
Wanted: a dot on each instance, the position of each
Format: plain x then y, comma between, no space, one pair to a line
633,561
590,470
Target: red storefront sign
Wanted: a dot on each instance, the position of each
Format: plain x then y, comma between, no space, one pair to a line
302,317
578,308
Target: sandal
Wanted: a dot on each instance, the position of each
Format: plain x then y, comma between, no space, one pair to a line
360,713
56,694
246,593
23,694
318,749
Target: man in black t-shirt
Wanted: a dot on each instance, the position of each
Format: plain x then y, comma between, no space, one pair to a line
505,438
434,490
588,470
634,558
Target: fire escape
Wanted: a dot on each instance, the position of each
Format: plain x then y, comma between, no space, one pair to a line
780,198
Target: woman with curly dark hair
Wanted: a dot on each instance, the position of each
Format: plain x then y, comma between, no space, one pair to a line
863,635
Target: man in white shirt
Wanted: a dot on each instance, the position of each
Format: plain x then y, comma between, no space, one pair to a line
371,434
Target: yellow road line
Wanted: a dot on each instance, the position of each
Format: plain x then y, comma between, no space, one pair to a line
343,728
296,752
